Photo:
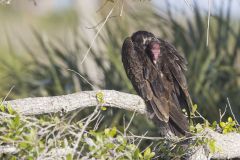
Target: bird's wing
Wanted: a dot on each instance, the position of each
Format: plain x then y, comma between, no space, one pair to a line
144,78
162,86
134,69
164,102
156,85
173,67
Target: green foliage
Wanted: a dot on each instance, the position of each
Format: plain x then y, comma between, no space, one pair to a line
109,145
222,127
225,127
17,131
38,137
100,99
229,126
171,149
212,145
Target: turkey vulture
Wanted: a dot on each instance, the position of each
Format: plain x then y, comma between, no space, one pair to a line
156,71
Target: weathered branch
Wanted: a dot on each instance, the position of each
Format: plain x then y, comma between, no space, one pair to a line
80,100
228,144
8,149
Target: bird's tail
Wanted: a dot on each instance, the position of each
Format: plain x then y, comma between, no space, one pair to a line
177,130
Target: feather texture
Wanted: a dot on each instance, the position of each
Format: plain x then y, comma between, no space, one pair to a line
162,84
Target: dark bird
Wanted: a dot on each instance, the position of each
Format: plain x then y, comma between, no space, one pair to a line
156,71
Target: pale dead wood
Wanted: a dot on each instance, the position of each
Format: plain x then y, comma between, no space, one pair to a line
80,100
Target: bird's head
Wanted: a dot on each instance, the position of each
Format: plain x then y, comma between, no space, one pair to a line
149,43
153,50
142,38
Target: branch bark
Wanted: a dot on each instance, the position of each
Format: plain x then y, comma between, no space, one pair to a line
228,144
80,100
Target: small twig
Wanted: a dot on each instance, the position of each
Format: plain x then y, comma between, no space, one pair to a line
208,23
230,107
121,12
145,137
147,147
125,129
82,78
74,114
96,35
201,116
95,26
141,138
7,94
99,120
222,114
84,128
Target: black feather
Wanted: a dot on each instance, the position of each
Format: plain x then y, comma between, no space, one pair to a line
163,84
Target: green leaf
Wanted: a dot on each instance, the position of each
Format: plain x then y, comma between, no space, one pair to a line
100,97
69,156
56,120
113,132
222,124
152,154
80,124
110,145
137,154
192,128
23,145
147,151
194,108
106,131
2,107
148,154
120,139
230,119
16,121
214,124
103,108
212,145
225,131
13,158
206,123
199,127
10,109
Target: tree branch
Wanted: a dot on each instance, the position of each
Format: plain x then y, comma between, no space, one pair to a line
228,144
80,100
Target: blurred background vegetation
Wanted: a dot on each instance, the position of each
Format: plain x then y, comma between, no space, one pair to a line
39,43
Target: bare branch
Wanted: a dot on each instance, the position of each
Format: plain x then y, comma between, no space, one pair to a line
227,146
80,100
8,149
